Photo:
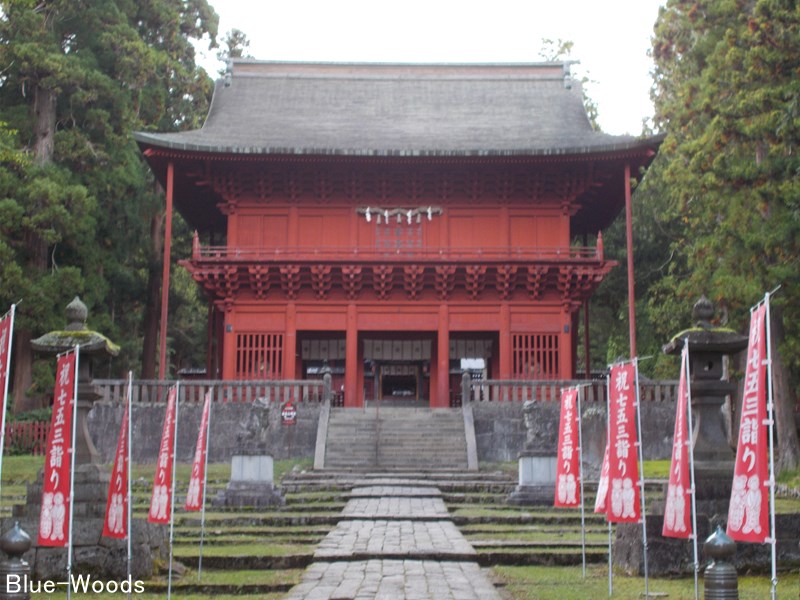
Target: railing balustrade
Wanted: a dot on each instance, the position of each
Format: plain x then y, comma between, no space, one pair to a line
279,391
519,390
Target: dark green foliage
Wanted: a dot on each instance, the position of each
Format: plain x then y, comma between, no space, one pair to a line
726,191
75,218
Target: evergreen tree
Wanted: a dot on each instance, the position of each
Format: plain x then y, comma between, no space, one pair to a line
726,92
79,76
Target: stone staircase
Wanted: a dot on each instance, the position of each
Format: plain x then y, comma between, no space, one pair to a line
396,438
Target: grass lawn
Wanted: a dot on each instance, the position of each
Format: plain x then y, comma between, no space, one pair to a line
567,583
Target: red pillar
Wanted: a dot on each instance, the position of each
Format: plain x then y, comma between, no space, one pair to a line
351,397
504,350
629,232
442,398
587,371
290,342
162,350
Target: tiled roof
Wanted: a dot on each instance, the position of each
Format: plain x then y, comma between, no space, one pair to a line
395,110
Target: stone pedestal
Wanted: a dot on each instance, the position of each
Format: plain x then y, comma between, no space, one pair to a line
93,554
252,483
537,480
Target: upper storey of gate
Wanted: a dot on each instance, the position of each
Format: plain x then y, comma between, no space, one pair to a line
533,109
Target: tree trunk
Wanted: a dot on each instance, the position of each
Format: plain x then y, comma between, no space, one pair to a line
44,125
44,129
23,379
788,452
153,306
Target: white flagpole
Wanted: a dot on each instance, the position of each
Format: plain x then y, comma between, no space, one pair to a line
580,475
130,477
5,391
172,492
205,486
72,470
771,422
608,441
688,442
641,481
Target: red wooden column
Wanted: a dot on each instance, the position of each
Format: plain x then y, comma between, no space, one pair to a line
162,349
351,397
629,235
442,397
504,351
290,342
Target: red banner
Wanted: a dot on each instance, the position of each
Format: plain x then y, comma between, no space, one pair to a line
623,461
194,497
568,463
748,513
56,484
677,508
161,500
116,521
600,502
6,324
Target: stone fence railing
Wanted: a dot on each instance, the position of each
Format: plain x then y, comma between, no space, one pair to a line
518,390
115,390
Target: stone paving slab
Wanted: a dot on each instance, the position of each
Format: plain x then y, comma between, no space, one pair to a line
396,539
395,508
377,491
394,580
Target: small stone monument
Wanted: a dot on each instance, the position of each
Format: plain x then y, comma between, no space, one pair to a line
92,553
537,460
252,469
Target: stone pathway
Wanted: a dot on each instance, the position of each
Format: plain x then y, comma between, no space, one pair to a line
394,543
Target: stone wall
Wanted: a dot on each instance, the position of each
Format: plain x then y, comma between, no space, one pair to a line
500,430
285,441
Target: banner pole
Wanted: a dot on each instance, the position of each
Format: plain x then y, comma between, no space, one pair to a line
130,478
5,391
688,442
172,492
771,422
205,486
72,471
608,449
641,482
580,475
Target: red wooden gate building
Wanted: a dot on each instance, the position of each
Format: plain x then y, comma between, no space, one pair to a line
397,222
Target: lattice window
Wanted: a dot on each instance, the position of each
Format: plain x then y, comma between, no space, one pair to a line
535,355
259,356
398,236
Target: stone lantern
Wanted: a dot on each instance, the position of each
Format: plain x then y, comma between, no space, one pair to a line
710,387
92,553
91,344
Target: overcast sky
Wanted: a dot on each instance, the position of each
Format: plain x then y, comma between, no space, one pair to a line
611,37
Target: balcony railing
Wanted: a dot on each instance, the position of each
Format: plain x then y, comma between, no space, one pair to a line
423,255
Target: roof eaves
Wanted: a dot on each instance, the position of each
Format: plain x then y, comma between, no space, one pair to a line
620,146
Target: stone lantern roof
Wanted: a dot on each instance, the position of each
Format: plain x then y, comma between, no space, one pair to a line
704,336
75,333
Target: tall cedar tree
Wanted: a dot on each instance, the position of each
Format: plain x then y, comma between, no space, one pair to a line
726,91
79,76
